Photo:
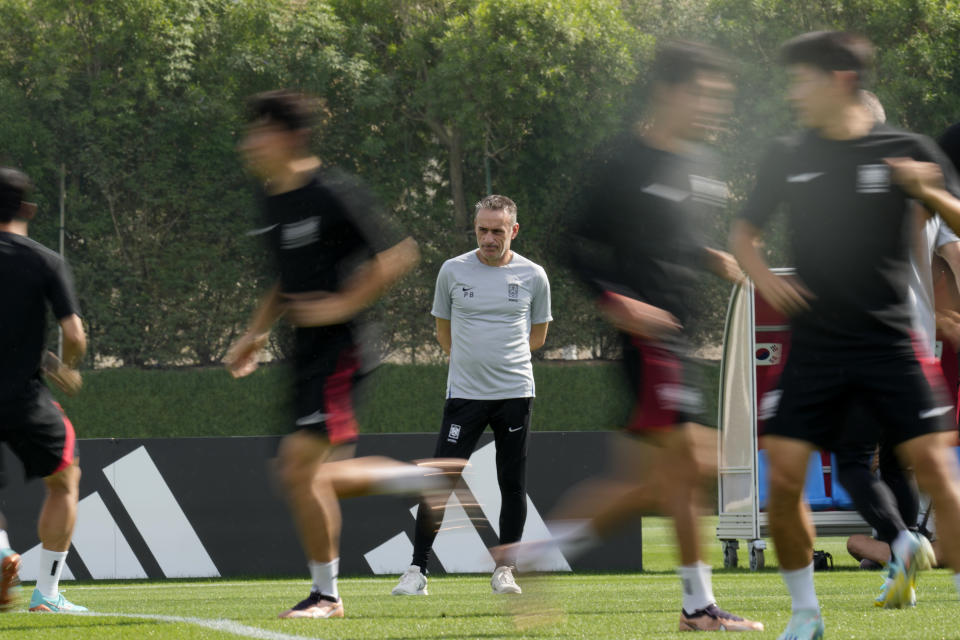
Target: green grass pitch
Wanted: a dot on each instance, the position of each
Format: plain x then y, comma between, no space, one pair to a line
595,606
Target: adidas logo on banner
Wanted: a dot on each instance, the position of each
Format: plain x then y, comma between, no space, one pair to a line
155,513
460,548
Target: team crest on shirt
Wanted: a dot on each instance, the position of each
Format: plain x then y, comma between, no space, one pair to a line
513,292
301,233
873,178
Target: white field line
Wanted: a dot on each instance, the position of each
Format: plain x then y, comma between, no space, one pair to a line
226,626
305,582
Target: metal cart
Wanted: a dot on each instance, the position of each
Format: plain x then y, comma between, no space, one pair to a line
755,346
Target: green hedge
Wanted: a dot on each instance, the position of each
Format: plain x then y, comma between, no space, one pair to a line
137,403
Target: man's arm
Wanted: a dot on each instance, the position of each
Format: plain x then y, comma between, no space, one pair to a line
241,358
538,335
948,320
361,290
443,334
64,372
924,181
783,295
723,265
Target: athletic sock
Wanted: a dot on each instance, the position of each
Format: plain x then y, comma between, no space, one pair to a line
574,537
900,546
800,585
51,566
697,586
956,580
324,576
405,479
4,540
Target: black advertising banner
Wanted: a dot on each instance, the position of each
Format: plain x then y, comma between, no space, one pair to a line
208,507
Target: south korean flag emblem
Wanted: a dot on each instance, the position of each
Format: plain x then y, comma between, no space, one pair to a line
873,178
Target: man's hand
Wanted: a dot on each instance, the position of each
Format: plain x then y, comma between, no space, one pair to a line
241,358
638,318
319,309
916,178
724,265
786,295
67,380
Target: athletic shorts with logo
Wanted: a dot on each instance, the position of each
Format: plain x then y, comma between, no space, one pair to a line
325,392
465,420
666,387
904,395
38,432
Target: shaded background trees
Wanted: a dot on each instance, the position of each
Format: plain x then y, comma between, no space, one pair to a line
138,104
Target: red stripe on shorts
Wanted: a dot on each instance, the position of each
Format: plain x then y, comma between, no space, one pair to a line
659,367
69,441
931,370
338,399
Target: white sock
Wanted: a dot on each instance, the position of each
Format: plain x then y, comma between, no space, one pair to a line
956,580
697,586
4,540
405,479
901,544
800,585
574,537
324,576
51,566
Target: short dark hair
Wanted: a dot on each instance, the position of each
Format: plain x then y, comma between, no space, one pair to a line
830,51
497,203
678,61
294,111
14,187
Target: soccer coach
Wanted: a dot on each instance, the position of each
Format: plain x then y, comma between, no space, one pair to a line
492,308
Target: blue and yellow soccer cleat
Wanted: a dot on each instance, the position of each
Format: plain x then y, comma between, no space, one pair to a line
38,602
899,589
804,625
9,579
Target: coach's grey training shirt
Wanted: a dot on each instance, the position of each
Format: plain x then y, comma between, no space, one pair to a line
490,310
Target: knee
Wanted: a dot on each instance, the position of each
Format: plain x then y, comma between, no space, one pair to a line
64,482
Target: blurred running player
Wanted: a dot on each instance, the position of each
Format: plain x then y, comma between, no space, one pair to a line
336,254
850,318
636,246
31,422
892,506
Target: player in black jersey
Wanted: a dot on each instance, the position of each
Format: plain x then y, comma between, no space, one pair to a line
32,424
847,184
335,254
636,245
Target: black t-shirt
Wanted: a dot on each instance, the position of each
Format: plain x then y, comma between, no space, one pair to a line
318,235
638,231
849,233
33,277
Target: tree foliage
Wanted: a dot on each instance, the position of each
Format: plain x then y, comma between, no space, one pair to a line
140,103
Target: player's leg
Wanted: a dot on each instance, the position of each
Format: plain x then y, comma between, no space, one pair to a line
316,515
462,424
813,399
46,444
510,422
9,569
935,465
902,484
871,497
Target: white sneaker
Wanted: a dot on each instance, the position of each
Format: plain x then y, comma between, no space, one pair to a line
503,581
412,583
